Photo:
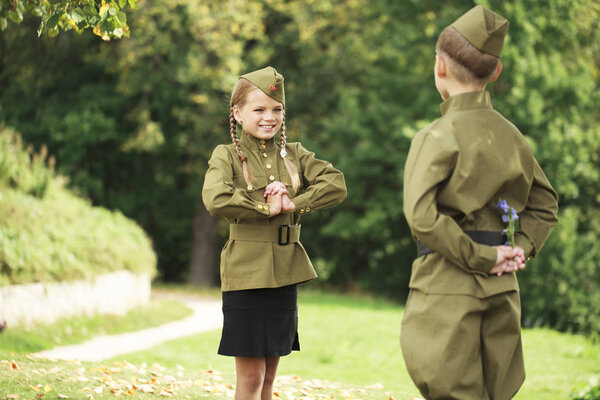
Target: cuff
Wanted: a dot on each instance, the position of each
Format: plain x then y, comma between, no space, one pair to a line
262,208
302,204
487,259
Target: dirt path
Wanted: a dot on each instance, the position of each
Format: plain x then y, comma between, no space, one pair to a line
207,316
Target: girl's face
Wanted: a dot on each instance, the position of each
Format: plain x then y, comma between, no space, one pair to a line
261,116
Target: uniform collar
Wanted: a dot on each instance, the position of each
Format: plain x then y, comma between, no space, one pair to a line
467,101
252,143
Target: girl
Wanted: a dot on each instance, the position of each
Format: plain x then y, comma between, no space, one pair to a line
262,188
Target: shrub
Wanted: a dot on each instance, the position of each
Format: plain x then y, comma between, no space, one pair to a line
561,287
25,171
49,234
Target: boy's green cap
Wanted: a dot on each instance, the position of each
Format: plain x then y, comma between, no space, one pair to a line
484,29
269,81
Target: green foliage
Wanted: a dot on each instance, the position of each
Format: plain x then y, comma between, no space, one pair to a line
24,171
590,392
105,18
72,239
560,287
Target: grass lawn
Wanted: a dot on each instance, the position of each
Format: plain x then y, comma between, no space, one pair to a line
350,350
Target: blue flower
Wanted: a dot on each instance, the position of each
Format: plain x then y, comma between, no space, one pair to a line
510,217
502,204
514,215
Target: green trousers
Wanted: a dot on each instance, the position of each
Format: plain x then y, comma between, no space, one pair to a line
459,347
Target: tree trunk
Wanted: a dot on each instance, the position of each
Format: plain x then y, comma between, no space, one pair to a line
203,265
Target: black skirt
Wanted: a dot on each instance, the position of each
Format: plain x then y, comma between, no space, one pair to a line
260,322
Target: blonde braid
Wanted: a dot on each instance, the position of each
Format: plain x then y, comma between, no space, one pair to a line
289,164
236,142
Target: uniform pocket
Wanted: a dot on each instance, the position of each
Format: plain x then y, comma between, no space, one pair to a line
287,180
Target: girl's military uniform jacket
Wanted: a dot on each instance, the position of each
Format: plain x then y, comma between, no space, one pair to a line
456,171
263,251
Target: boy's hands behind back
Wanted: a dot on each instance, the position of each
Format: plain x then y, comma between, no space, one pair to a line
508,259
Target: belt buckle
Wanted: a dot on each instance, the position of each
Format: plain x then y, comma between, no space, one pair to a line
280,235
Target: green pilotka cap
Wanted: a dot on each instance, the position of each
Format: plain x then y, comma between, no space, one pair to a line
484,29
269,81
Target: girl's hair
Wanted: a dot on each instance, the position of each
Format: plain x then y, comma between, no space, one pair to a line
239,94
470,64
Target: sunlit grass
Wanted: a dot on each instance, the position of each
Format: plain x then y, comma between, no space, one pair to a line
349,349
355,340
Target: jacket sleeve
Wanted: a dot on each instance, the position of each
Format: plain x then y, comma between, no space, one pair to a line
429,163
324,185
539,215
220,196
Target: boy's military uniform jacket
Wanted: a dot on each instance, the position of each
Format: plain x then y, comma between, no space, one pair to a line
456,171
263,251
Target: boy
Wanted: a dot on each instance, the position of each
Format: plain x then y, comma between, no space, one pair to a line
461,334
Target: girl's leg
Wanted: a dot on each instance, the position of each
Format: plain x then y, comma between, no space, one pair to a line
250,376
271,371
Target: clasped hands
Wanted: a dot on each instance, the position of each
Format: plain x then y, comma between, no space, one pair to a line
277,197
509,259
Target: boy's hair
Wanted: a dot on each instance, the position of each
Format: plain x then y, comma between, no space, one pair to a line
240,92
467,63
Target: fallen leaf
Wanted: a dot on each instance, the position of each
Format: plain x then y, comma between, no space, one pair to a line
41,395
376,386
47,388
62,396
14,365
13,397
146,388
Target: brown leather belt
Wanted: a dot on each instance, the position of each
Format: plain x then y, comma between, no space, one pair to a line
491,238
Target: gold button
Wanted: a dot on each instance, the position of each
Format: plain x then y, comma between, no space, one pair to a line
307,209
302,211
265,207
268,166
259,206
265,155
262,141
249,187
262,146
272,178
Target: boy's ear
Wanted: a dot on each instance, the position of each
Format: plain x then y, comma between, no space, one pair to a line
497,73
440,66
